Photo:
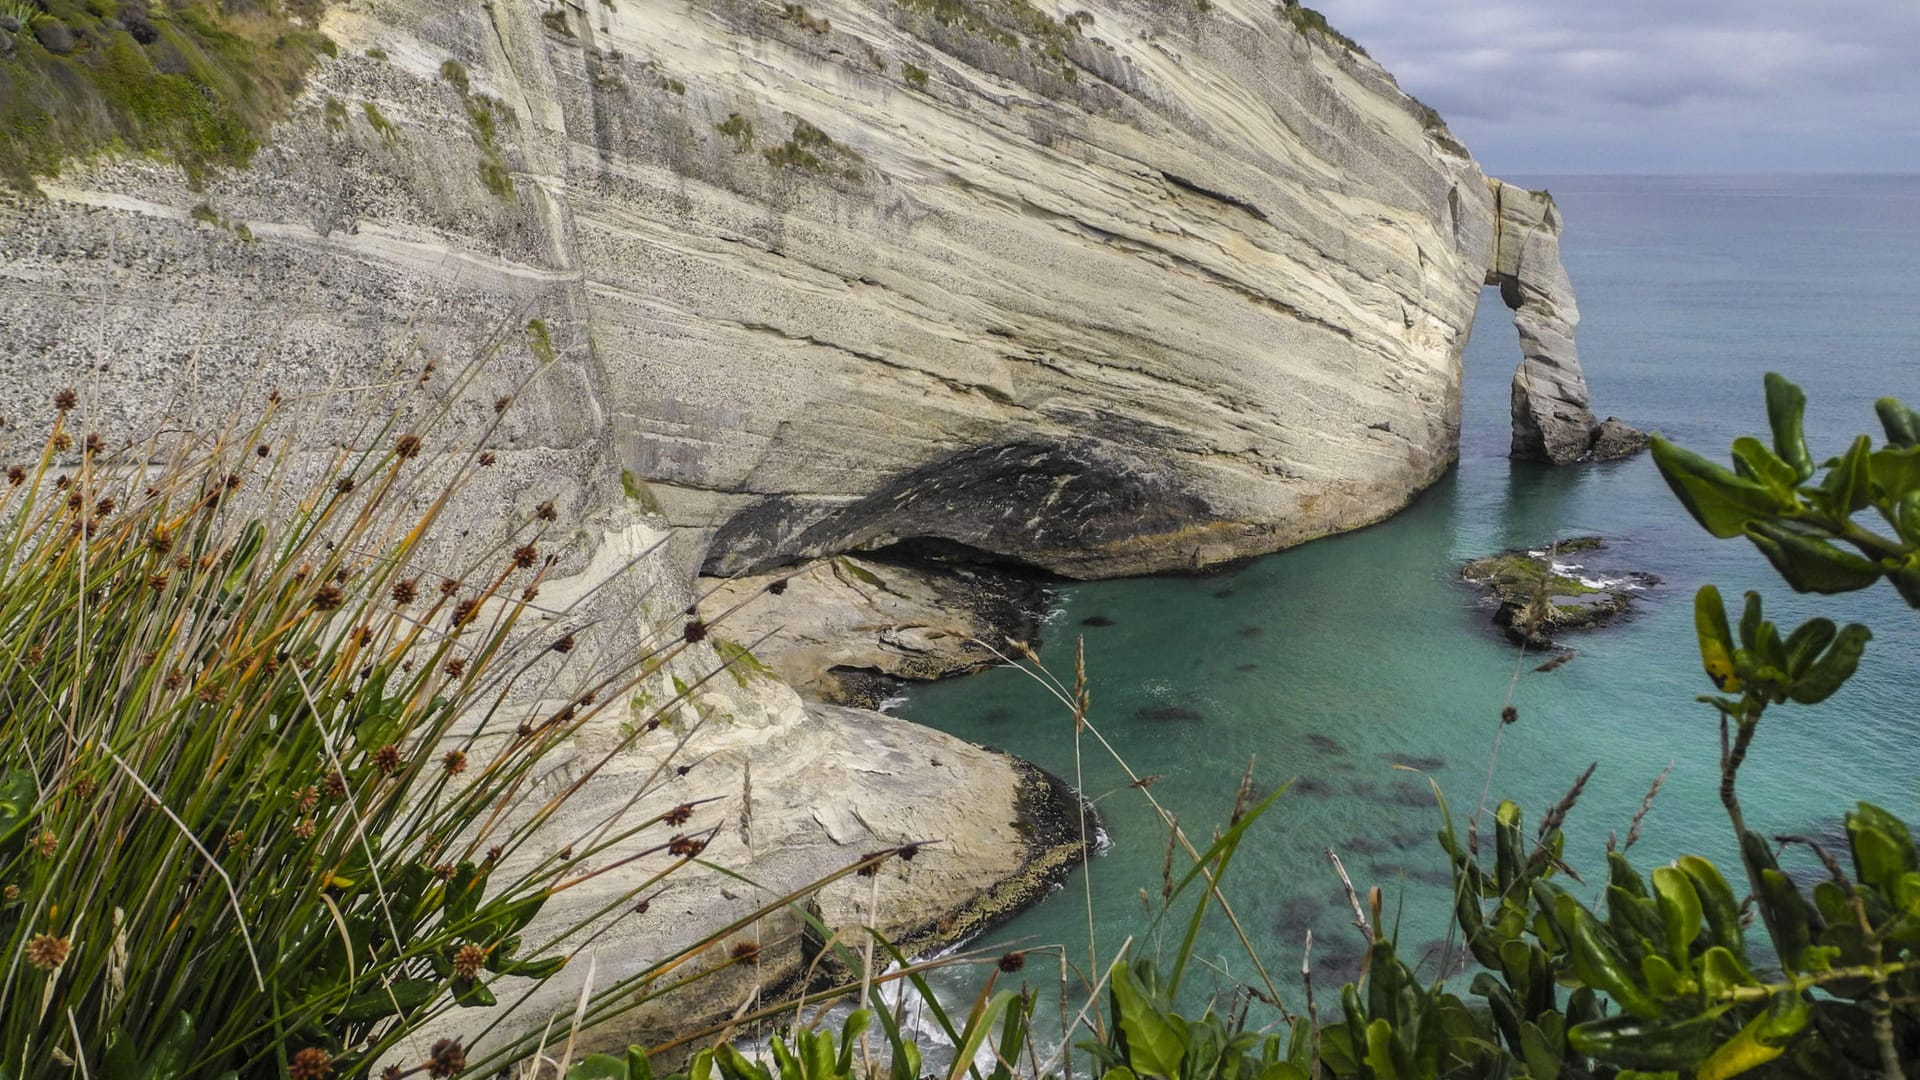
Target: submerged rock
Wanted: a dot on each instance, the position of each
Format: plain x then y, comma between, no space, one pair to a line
1539,593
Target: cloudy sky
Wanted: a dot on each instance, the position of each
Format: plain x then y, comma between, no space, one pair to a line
1558,86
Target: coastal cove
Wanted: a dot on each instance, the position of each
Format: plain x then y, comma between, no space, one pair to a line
1330,663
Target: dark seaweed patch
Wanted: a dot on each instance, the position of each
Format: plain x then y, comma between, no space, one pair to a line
1167,713
1326,744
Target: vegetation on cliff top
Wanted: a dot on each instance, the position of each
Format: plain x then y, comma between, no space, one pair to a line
185,81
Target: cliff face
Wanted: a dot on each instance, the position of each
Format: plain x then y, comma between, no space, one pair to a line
1140,289
1145,288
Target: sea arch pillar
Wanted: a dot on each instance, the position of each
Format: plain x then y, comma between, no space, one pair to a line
1552,420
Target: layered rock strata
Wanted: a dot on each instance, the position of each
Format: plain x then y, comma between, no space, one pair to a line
1131,289
1099,287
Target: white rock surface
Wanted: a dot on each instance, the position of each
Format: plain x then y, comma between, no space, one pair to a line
1206,299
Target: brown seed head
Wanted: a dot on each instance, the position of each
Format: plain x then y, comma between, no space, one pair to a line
546,512
303,829
406,446
446,1059
493,854
404,591
467,960
263,450
336,784
343,486
16,475
686,846
455,762
444,871
312,1063
694,631
1012,962
62,482
62,442
448,586
679,815
529,594
10,893
745,951
524,555
328,598
47,952
487,459
46,844
1509,715
564,645
463,611
387,760
94,444
907,852
500,404
66,400
777,586
455,667
306,798
105,506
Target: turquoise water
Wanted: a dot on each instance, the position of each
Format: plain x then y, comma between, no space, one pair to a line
1327,663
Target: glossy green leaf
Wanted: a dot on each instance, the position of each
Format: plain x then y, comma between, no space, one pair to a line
1834,667
1753,460
1848,485
1786,409
1764,1038
1646,1043
1716,638
1721,501
1680,914
1810,563
1901,423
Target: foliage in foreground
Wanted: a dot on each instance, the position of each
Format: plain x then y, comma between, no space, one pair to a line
275,789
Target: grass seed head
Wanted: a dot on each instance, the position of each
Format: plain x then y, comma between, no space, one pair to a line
312,1063
46,952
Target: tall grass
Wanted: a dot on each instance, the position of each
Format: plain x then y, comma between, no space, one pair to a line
271,766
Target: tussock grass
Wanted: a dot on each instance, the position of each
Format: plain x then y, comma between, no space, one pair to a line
273,781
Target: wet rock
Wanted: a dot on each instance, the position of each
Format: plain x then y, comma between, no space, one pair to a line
1250,631
1244,668
6,43
1415,761
1096,620
1312,787
1614,439
9,24
1541,592
1222,594
1363,845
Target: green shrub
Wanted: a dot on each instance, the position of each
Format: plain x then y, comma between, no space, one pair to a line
739,129
185,82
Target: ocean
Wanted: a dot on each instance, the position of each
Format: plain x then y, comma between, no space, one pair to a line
1328,665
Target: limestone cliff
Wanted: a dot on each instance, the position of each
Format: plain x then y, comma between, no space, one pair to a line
1141,288
1097,286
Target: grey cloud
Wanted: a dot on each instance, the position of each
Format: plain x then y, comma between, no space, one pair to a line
1653,84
